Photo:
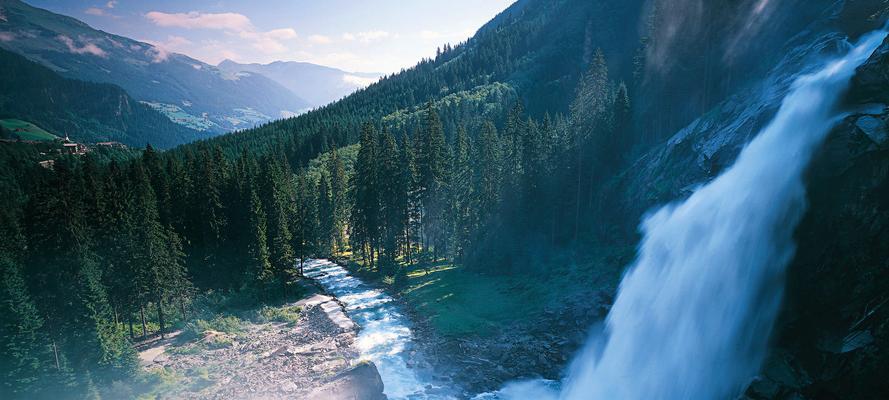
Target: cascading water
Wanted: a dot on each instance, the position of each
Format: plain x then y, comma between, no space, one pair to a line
385,337
694,313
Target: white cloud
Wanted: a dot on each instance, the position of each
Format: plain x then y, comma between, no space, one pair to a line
431,35
368,36
96,11
160,51
196,20
269,42
87,48
111,4
320,39
359,81
281,34
448,36
6,36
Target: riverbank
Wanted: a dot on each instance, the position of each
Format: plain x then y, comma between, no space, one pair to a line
306,349
482,330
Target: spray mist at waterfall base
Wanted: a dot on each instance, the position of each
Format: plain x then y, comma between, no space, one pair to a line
694,312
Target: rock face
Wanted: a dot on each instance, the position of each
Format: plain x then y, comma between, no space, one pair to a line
871,80
361,382
832,339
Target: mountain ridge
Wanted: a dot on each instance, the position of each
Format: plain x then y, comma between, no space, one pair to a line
147,72
317,84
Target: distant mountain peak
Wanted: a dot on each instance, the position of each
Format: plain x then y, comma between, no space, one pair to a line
318,84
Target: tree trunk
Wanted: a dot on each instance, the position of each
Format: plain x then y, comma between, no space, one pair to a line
160,315
142,315
130,323
55,351
182,307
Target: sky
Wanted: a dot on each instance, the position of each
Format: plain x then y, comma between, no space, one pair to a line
353,35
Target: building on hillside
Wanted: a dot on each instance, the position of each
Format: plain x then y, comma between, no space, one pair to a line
48,164
115,145
70,147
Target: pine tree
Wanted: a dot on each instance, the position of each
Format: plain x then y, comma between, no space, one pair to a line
260,270
338,198
432,165
392,191
364,226
408,202
276,205
461,193
305,221
25,353
326,224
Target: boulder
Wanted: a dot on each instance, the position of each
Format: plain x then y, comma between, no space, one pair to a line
361,382
874,128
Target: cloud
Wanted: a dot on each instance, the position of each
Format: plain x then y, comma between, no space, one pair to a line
431,35
269,42
320,39
88,48
368,36
195,20
435,35
6,36
96,11
160,51
111,4
359,81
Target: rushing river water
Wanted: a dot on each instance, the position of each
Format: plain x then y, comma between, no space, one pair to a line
385,336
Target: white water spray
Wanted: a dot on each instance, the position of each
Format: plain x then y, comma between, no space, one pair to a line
694,313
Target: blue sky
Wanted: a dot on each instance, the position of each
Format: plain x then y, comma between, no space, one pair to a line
364,36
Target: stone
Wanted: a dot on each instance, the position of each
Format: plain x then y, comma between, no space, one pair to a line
874,128
361,382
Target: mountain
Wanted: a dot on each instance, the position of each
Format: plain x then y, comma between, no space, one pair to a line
534,51
317,84
85,111
188,91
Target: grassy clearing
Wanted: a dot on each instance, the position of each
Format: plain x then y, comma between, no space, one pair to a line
459,301
26,130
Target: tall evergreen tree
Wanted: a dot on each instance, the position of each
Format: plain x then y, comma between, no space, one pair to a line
365,224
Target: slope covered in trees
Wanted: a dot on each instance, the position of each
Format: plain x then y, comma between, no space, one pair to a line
85,111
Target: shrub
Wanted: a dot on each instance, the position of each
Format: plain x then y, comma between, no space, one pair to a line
288,314
227,324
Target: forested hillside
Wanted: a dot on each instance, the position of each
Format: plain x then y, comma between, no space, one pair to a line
85,111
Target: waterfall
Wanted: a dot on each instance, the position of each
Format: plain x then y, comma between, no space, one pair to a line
694,313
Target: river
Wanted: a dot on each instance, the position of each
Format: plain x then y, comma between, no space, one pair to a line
385,336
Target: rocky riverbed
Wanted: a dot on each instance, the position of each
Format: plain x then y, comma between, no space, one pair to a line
313,358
